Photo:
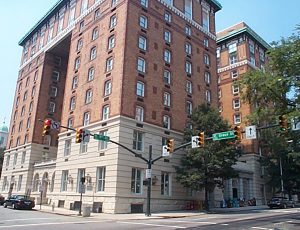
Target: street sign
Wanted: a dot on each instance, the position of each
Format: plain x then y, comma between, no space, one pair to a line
250,132
148,173
165,152
101,137
223,135
195,142
55,125
295,124
86,135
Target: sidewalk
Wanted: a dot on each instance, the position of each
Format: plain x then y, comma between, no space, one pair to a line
139,216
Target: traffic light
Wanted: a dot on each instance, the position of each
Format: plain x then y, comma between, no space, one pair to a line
237,133
79,135
201,139
47,127
283,123
170,145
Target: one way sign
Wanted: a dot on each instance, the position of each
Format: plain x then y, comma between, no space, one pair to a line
250,132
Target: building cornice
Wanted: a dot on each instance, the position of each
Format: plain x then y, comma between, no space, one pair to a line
238,64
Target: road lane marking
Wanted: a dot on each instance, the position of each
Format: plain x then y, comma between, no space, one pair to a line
224,224
156,225
261,228
30,219
186,221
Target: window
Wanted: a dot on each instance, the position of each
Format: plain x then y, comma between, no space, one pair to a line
26,139
114,3
142,43
205,19
50,34
60,23
17,101
169,2
109,64
20,126
236,103
111,42
138,139
72,103
189,107
35,76
25,96
5,183
18,141
235,89
165,184
167,56
97,14
140,89
113,21
74,82
167,77
143,22
206,59
83,147
88,96
262,55
71,15
102,144
207,77
232,48
141,65
70,123
139,113
188,10
105,112
27,82
20,87
93,53
237,119
208,96
136,181
64,180
95,33
84,6
15,159
79,44
91,73
30,107
28,123
107,88
167,36
167,16
67,149
166,122
220,93
81,26
188,30
144,3
53,91
189,88
20,182
188,67
100,179
23,157
77,63
206,42
252,60
167,99
86,119
188,48
80,174
251,47
7,160
234,74
23,111
232,59
51,108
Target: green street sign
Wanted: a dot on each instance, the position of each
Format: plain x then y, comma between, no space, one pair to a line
101,137
223,135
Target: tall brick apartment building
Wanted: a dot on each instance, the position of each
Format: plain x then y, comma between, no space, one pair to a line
240,50
129,69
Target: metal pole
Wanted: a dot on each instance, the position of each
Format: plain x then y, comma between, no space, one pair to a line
148,212
41,199
281,179
80,204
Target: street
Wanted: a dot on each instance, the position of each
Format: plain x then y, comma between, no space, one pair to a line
275,219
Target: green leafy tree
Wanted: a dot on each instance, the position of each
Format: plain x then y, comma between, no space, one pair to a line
208,167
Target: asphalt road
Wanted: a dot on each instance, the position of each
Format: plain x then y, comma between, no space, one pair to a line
277,219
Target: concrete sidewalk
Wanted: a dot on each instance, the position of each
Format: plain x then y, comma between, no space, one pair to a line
156,215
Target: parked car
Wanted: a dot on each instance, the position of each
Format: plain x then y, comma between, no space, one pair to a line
281,202
19,202
1,199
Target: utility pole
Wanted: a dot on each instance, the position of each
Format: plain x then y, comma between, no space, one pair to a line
149,181
281,179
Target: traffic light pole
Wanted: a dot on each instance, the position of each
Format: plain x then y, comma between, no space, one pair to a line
149,163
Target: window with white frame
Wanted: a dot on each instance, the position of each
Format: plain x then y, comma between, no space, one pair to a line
111,42
107,88
235,89
206,42
71,15
142,43
207,77
167,77
167,36
206,59
25,96
84,6
232,59
7,160
205,19
189,87
60,23
5,183
252,60
251,47
67,149
91,73
234,74
105,112
95,33
189,107
188,48
100,184
232,47
167,99
144,3
169,2
20,182
218,52
114,3
35,75
80,174
97,14
102,144
167,56
136,181
70,122
141,65
140,89
261,55
237,119
51,108
72,103
23,111
166,122
28,123
77,63
74,82
139,113
168,16
88,96
83,147
53,91
113,21
188,9
165,184
23,157
55,76
50,34
208,96
81,26
64,180
93,53
15,159
236,103
138,140
143,22
188,67
188,30
86,118
109,64
30,107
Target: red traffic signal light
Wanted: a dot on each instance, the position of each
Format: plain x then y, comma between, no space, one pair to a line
201,139
79,135
47,127
170,145
237,132
283,123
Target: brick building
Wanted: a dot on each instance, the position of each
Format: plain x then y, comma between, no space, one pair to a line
131,70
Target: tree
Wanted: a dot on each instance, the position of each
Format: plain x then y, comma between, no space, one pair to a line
1,159
275,91
208,167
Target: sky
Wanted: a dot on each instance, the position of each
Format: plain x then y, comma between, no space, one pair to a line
271,19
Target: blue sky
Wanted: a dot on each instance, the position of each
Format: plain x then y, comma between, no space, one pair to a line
270,19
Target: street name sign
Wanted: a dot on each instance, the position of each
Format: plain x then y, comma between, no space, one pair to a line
101,137
250,132
223,135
